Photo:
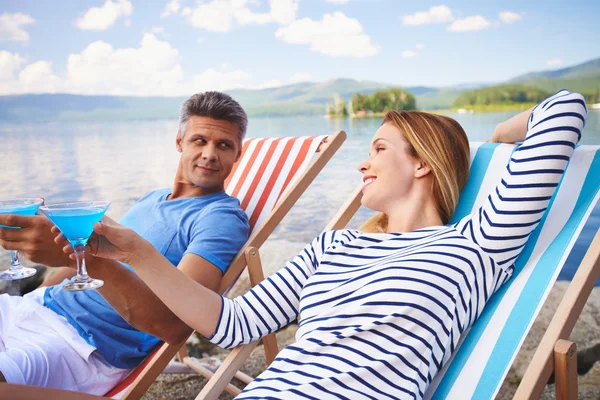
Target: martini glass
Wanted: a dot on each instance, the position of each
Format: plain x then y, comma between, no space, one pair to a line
21,206
76,222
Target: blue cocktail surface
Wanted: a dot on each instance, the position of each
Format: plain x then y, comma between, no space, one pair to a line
77,224
20,209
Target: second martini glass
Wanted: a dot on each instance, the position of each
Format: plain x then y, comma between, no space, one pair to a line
76,222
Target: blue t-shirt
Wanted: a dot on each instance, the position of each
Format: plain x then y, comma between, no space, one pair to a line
213,227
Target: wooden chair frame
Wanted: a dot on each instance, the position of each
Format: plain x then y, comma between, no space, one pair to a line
555,351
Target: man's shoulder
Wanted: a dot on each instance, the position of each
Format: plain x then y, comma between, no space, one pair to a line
224,201
154,194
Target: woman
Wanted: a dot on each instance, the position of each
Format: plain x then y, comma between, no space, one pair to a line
381,310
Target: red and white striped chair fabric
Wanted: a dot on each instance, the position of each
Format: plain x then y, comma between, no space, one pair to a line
266,169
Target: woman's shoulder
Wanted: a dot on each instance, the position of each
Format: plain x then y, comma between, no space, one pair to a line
327,238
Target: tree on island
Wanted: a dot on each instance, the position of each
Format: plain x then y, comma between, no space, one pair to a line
383,100
337,107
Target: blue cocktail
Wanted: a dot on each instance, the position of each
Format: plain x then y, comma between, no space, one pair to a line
76,222
26,207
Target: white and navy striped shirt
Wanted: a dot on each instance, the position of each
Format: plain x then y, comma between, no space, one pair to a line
380,314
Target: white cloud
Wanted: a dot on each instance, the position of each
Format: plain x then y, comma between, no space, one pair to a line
171,8
186,12
554,62
102,18
39,77
509,17
435,15
212,79
273,83
9,64
158,68
420,46
408,53
11,26
152,68
473,23
221,15
334,35
300,77
337,1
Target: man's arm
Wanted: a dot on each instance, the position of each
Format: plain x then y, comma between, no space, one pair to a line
125,291
122,289
57,275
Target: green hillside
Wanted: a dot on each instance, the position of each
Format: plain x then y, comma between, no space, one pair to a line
501,95
585,70
583,78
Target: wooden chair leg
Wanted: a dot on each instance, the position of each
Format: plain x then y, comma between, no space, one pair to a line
271,348
183,353
256,273
234,361
208,374
565,370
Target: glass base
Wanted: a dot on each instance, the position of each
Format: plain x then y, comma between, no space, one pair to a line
79,283
21,273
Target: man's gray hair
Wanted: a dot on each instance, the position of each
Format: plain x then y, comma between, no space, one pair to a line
216,105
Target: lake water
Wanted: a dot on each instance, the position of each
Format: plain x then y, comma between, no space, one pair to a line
121,161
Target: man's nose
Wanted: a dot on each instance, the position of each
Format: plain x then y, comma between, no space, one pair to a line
209,152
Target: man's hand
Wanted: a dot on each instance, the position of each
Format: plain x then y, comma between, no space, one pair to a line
34,240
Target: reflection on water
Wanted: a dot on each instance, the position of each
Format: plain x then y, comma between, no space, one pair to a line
121,161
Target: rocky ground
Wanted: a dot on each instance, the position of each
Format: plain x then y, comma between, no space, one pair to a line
184,386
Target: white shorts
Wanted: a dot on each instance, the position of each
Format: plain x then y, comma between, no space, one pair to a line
40,348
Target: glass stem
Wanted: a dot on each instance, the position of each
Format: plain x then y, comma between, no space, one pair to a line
15,260
80,257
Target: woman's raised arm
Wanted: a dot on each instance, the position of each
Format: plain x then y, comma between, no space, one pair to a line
502,225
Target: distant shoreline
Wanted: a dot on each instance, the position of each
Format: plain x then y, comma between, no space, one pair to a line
484,108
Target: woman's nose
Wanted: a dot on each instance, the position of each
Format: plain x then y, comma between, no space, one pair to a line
363,166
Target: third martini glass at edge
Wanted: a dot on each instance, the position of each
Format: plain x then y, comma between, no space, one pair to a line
25,207
76,222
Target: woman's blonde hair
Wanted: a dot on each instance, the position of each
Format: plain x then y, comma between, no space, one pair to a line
440,142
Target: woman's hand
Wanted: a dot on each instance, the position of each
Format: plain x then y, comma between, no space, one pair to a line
110,240
513,130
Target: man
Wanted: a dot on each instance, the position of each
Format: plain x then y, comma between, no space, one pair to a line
88,341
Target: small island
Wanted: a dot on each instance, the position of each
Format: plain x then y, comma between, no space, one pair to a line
371,105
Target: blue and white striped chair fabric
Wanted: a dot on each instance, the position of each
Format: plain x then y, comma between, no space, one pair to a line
488,349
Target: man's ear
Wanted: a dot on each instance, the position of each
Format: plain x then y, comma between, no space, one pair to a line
422,169
239,154
178,141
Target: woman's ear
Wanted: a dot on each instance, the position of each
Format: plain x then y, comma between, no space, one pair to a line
423,169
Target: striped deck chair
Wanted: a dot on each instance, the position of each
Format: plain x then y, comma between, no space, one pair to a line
268,180
488,349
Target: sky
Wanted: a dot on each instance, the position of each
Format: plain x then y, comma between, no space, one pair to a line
178,47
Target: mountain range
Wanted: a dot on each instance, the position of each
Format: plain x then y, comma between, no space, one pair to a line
305,98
